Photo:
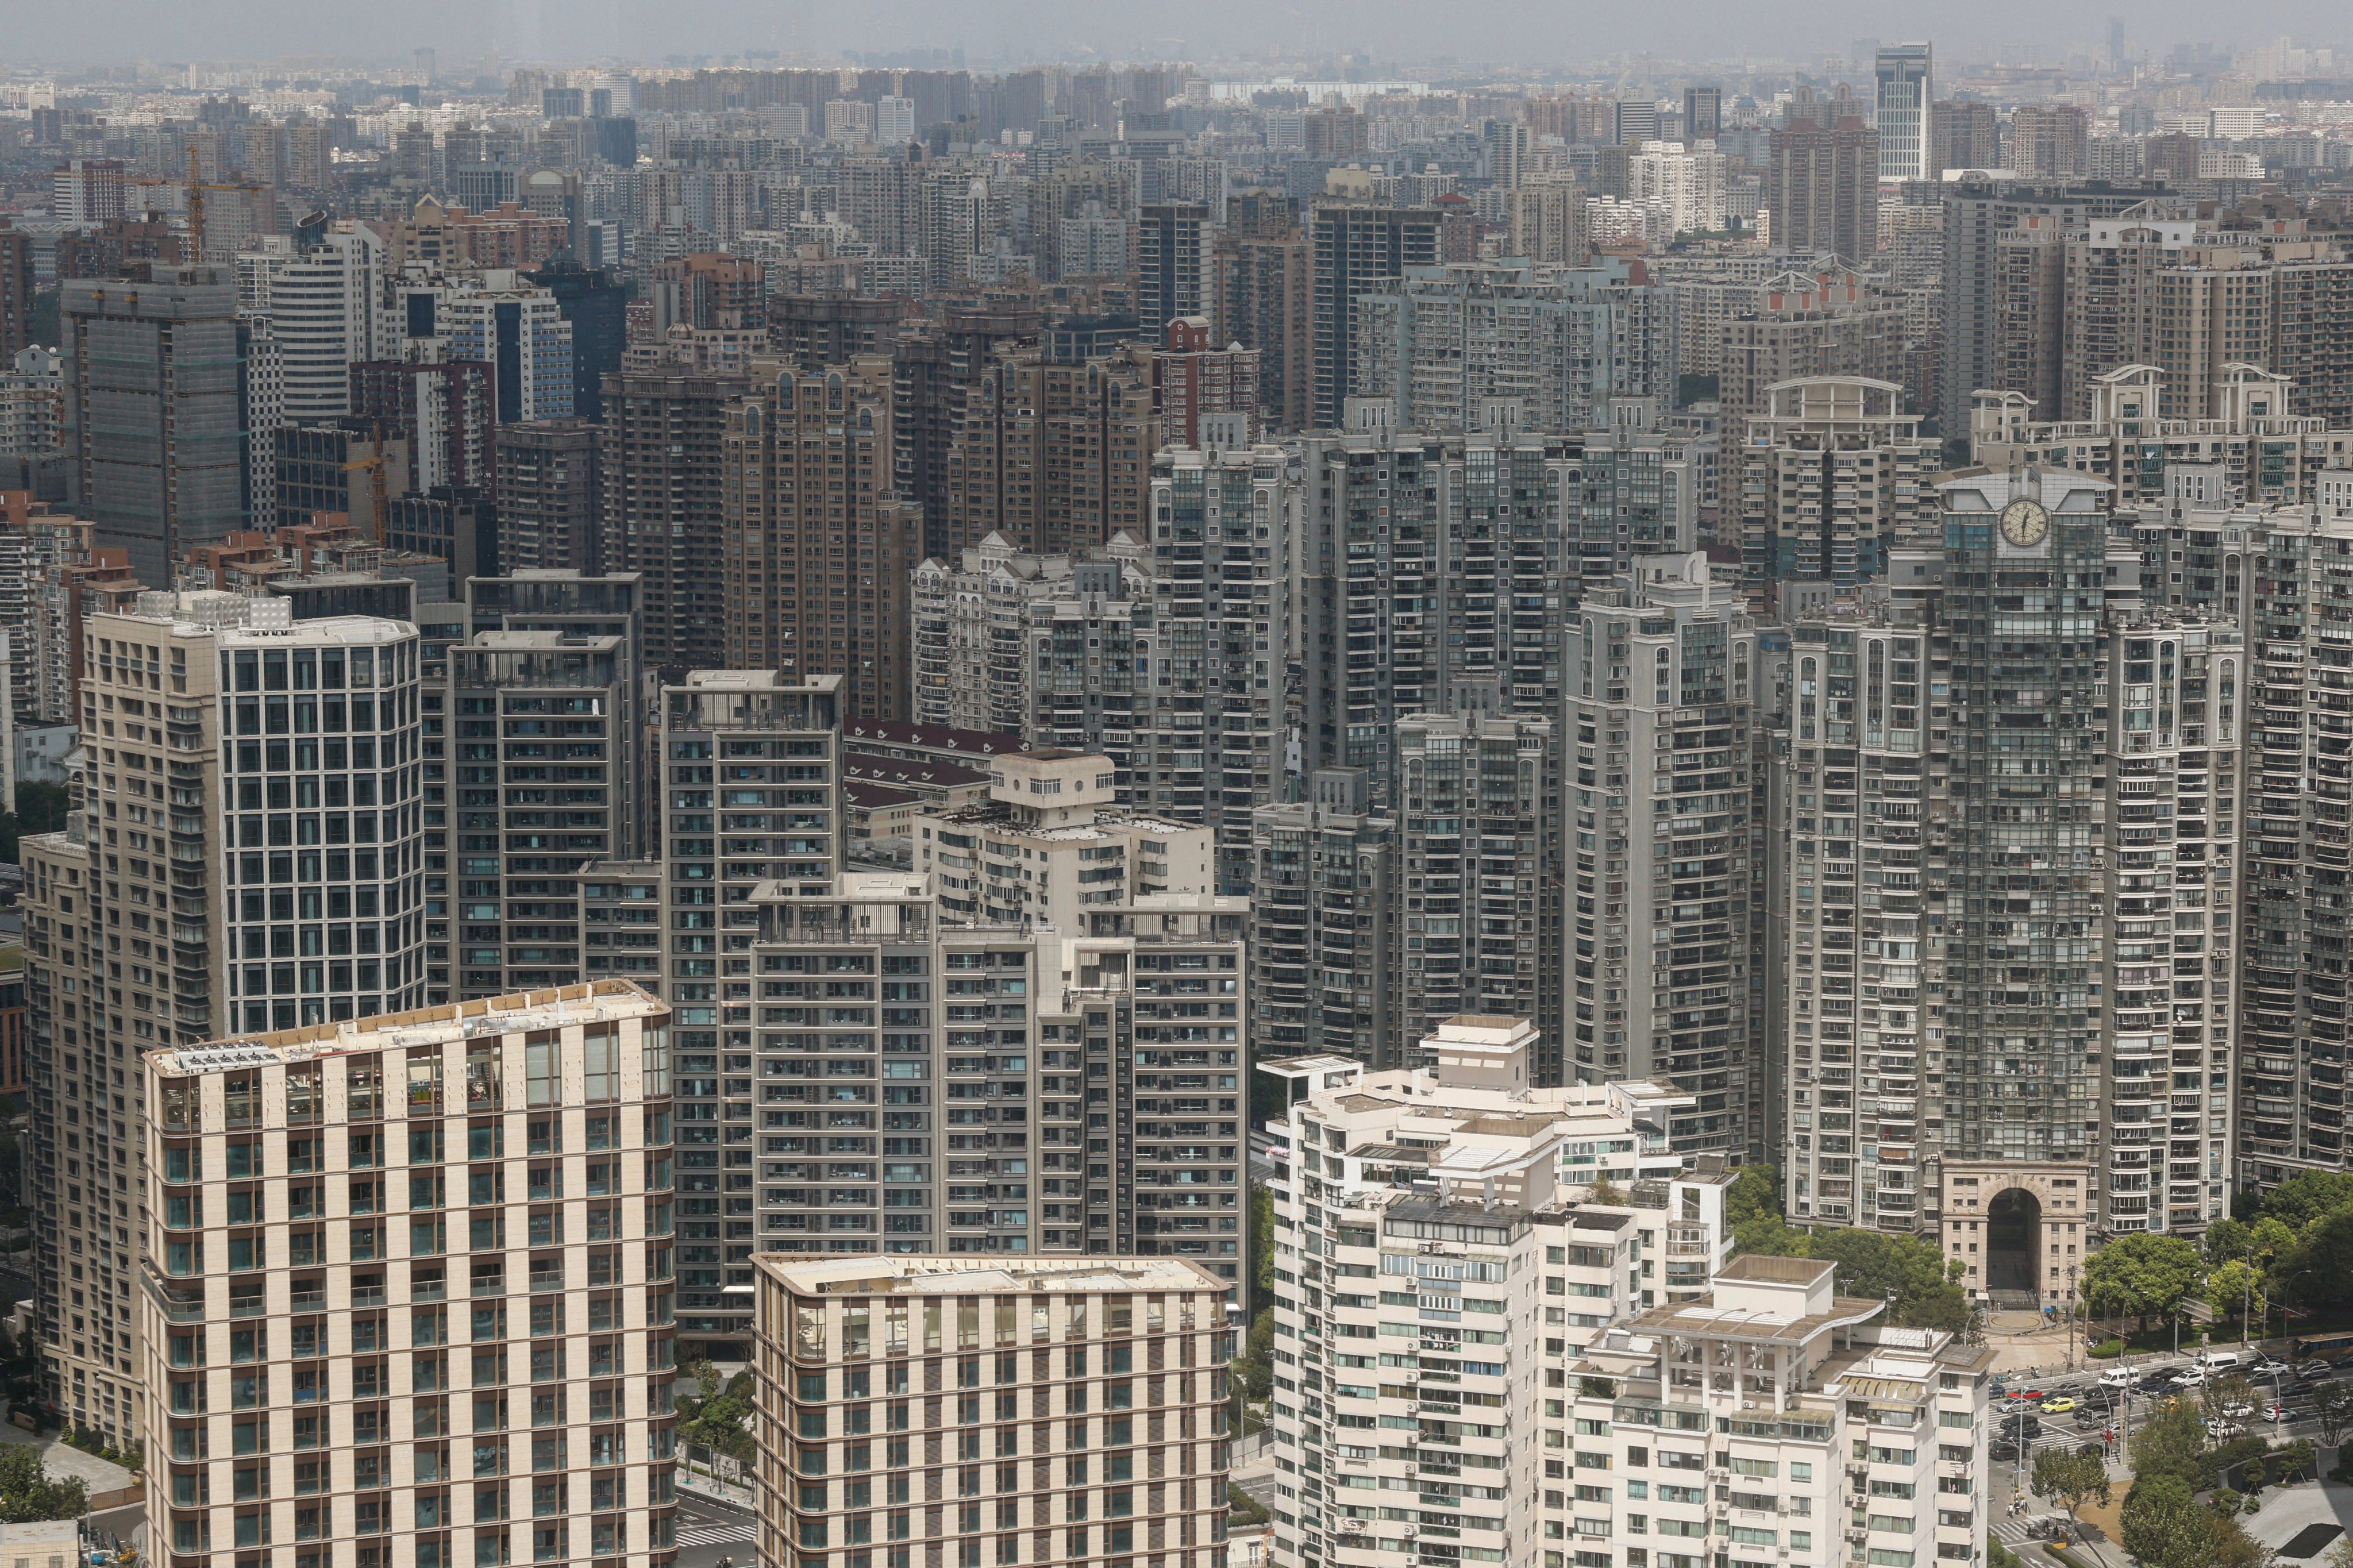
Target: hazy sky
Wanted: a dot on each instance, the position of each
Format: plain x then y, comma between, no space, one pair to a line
66,31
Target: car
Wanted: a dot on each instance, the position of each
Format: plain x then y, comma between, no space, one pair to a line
2030,1394
2058,1406
2190,1378
2238,1409
2344,1362
2158,1382
2219,1430
2313,1371
2089,1420
2269,1368
2001,1448
2118,1377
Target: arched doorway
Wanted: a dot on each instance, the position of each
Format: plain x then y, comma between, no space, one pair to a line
2014,1243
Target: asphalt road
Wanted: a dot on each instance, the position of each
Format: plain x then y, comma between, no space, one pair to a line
2061,1431
709,1530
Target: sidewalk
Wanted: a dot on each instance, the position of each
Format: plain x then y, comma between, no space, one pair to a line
701,1485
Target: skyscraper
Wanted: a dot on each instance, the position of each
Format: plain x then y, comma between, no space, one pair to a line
1822,189
563,1287
1662,801
162,468
660,448
275,880
1356,248
818,553
1905,88
1173,256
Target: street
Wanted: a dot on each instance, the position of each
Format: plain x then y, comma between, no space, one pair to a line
2010,1478
709,1530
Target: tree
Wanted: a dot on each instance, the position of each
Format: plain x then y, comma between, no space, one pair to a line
2163,1525
2071,1480
2309,1196
1261,1242
1752,1209
28,1492
2333,1402
2171,1442
2235,1286
2292,1461
2140,1276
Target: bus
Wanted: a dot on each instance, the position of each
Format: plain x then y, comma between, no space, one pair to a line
2323,1346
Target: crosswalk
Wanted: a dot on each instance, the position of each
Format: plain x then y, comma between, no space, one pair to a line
2025,1530
738,1532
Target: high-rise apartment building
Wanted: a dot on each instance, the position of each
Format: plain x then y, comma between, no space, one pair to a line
1809,325
1665,805
2069,1067
244,855
1822,189
748,775
662,452
2050,141
1037,646
1907,87
1039,1092
1174,247
551,496
521,852
2135,439
1963,133
935,375
528,1142
1054,456
1485,1201
1501,346
1978,213
327,311
163,469
1059,1338
1263,300
1833,475
818,553
1441,606
15,291
1324,926
1051,847
1354,248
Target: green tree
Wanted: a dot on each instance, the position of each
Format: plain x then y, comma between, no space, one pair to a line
28,1492
1262,1244
2309,1196
2332,1402
2164,1527
2071,1480
2141,1276
2171,1442
2293,1461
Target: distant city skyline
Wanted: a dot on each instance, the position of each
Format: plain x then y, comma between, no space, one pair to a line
1482,34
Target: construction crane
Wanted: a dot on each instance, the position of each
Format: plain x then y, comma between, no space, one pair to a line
374,464
194,187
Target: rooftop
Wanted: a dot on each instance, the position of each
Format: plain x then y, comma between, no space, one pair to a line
872,1276
600,1001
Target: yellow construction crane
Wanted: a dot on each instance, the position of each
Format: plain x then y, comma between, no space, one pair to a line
194,187
374,464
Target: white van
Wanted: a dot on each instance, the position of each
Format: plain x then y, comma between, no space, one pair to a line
2216,1362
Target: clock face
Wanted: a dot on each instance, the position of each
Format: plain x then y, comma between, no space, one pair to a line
2024,523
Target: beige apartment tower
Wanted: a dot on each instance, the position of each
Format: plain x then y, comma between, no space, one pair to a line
954,1412
407,1294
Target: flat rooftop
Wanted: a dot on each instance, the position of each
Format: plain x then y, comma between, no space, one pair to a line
872,1276
600,1001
